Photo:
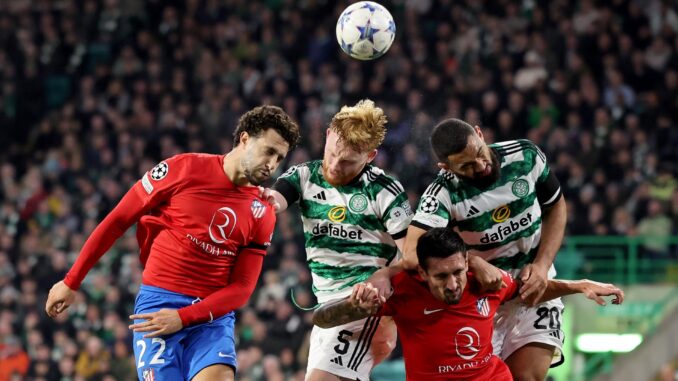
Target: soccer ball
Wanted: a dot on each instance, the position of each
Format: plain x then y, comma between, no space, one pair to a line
365,30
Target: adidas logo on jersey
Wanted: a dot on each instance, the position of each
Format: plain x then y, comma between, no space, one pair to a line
320,196
337,360
472,211
505,230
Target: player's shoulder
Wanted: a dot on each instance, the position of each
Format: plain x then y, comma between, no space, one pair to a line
443,180
376,178
406,281
261,209
510,147
173,166
192,158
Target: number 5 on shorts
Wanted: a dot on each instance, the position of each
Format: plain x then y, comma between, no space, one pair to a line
343,347
156,360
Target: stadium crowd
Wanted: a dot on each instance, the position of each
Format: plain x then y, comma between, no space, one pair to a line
95,92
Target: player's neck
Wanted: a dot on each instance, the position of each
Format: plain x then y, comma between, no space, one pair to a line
233,170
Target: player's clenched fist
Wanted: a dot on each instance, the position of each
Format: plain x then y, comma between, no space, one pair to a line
60,297
366,297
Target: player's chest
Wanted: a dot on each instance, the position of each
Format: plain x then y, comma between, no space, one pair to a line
472,310
496,205
336,206
217,217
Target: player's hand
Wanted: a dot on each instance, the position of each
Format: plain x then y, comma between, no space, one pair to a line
366,297
267,195
596,290
535,280
488,276
163,322
60,297
381,280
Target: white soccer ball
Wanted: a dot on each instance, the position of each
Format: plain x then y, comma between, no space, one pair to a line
365,30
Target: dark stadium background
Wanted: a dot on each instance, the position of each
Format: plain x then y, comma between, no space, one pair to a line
94,92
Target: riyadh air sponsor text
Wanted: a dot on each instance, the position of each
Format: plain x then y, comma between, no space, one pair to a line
208,247
463,366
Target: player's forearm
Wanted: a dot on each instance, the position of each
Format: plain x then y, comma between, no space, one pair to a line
410,260
556,288
553,230
124,215
334,313
242,283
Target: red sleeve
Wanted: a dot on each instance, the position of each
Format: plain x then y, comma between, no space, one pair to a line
155,186
511,290
126,213
243,280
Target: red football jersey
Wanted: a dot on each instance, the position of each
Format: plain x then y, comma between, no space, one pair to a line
447,342
198,222
192,224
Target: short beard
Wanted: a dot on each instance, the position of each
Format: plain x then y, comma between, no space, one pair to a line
342,181
253,179
485,181
453,301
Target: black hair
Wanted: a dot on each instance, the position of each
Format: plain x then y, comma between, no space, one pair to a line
261,118
450,137
439,243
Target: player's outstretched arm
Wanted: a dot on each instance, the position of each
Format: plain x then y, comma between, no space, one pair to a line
127,212
363,302
591,289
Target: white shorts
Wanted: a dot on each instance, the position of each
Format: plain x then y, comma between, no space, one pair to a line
517,325
349,350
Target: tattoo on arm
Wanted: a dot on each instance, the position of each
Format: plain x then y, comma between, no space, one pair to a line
337,313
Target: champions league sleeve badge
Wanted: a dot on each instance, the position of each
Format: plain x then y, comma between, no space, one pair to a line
160,171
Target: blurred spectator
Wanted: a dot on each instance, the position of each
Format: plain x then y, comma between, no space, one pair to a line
13,359
93,359
657,226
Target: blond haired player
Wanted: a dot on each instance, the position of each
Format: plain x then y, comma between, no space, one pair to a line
355,218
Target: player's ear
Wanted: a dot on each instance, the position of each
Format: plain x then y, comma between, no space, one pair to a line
244,137
479,132
422,273
372,155
443,166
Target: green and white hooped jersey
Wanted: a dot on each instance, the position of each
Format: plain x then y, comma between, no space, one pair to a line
350,230
502,223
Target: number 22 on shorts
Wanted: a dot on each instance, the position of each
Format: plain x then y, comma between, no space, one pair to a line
156,359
